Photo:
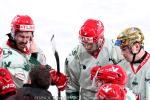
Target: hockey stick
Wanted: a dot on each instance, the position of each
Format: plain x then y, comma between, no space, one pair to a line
57,61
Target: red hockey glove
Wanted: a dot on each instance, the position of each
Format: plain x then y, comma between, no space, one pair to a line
6,82
60,80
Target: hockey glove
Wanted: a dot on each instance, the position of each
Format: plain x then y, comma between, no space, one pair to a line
58,79
6,82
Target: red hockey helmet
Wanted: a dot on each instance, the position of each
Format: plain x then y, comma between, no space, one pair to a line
22,23
91,31
111,92
112,74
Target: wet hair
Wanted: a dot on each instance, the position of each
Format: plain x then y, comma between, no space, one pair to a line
40,77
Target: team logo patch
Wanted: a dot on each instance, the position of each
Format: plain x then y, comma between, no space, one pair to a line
27,27
6,52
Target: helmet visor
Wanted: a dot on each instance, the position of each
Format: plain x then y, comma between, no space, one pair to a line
118,42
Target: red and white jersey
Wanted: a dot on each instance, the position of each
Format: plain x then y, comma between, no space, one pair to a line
79,64
139,78
18,63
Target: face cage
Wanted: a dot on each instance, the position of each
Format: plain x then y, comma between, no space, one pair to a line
96,43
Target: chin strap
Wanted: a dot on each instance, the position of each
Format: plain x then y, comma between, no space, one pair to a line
134,54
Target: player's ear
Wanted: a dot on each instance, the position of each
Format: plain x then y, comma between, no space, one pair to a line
135,48
31,38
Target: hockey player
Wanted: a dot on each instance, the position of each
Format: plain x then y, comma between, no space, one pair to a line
20,53
131,42
38,89
111,80
93,50
109,74
110,91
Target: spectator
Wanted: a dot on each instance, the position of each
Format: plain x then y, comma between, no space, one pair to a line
37,90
